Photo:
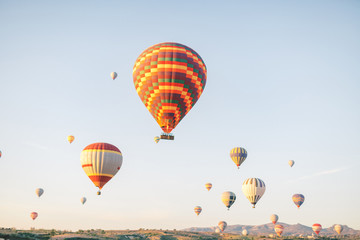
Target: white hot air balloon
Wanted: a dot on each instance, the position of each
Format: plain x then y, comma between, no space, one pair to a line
83,200
217,230
101,161
244,232
253,188
39,192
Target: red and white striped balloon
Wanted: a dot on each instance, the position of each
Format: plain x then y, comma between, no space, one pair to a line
316,228
101,162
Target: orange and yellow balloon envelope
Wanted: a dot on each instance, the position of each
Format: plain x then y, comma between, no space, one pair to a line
33,215
70,138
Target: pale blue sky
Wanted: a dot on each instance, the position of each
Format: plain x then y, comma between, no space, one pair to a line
283,82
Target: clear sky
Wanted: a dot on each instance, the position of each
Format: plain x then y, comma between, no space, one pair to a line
283,82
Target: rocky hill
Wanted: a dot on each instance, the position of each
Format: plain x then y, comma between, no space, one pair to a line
266,229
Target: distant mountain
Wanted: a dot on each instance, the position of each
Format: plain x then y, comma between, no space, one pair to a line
266,229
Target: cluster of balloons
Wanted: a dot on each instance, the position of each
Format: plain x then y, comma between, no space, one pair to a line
298,200
253,188
38,192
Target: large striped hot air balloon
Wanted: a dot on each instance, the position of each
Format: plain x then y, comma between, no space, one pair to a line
253,188
298,199
316,228
208,186
39,191
197,210
169,78
274,218
222,225
338,228
279,229
238,155
0,154
101,161
33,215
228,198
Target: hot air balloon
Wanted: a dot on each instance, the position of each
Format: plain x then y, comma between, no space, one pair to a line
217,230
101,161
279,229
291,163
316,228
70,138
228,198
298,199
83,200
113,75
208,186
39,191
197,210
338,228
222,225
169,79
33,215
253,188
274,218
244,232
238,155
0,154
156,139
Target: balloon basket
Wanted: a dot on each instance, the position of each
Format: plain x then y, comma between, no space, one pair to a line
167,136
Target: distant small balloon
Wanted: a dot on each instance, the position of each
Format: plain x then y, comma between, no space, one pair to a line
222,225
217,230
228,198
208,186
316,228
197,210
291,163
244,232
33,215
338,228
279,229
238,155
274,218
70,138
298,199
113,75
83,200
39,191
156,139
